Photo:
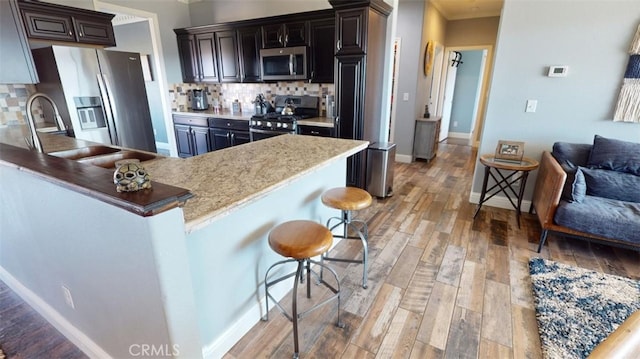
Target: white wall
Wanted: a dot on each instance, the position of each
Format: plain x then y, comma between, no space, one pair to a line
409,29
171,14
592,37
212,12
104,255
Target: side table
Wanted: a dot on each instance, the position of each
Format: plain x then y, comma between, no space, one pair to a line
515,172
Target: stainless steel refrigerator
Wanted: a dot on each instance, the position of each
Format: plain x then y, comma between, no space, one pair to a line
99,93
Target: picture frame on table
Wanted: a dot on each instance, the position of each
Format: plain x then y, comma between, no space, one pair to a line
509,151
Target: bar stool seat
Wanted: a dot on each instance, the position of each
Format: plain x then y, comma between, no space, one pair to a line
348,199
299,241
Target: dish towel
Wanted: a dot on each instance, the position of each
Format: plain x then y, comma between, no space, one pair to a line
628,107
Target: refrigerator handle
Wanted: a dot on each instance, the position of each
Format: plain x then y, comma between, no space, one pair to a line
109,108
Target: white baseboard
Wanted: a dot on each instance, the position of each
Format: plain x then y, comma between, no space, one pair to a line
52,316
222,344
404,158
499,202
461,135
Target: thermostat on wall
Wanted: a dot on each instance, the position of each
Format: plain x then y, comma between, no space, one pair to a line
558,71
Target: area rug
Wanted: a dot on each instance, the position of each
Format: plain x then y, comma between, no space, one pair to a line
577,308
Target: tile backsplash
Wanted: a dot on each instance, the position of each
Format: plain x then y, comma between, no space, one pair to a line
225,94
13,100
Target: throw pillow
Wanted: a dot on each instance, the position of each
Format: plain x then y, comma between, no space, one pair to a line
578,186
611,184
615,155
570,156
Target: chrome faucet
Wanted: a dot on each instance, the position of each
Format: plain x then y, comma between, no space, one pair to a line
35,142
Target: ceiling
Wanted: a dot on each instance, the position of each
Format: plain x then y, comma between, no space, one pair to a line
467,9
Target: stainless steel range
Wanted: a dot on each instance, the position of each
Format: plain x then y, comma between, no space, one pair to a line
288,111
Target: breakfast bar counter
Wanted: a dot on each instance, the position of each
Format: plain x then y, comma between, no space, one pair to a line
188,277
225,180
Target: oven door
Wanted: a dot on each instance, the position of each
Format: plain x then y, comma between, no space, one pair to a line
257,134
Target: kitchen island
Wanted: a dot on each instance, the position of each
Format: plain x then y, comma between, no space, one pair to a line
186,280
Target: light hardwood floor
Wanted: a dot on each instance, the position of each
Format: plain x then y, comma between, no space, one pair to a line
441,285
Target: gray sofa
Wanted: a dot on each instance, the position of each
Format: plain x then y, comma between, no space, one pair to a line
590,191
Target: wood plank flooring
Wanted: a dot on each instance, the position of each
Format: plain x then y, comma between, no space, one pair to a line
441,285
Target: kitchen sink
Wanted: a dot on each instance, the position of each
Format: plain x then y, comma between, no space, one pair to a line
109,160
90,151
103,156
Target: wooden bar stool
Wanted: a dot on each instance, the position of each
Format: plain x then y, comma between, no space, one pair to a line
299,241
348,199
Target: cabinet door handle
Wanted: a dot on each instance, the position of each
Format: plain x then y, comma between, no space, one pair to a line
338,45
280,39
233,138
286,39
315,132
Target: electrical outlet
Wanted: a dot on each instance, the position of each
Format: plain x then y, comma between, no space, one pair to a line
405,96
67,297
455,123
531,106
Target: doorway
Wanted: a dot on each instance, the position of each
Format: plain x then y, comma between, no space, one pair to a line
462,96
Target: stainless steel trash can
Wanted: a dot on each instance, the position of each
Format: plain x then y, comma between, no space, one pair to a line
380,159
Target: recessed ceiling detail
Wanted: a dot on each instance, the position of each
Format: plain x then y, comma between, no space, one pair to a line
468,9
123,19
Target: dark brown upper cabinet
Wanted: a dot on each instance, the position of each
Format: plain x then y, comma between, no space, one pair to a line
233,48
16,60
53,22
188,55
284,35
206,58
249,45
351,30
322,49
228,59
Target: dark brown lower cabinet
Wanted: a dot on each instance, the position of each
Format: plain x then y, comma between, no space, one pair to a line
192,140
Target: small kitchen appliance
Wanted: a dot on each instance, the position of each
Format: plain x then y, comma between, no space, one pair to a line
199,100
276,123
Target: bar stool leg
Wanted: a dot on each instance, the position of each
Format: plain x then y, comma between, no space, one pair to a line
294,309
347,222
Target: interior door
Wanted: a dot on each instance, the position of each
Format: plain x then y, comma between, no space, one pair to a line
449,87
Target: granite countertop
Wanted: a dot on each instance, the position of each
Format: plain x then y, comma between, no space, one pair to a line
225,180
221,181
314,121
244,116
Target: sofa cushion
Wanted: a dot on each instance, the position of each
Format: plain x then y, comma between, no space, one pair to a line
570,156
607,184
601,216
615,155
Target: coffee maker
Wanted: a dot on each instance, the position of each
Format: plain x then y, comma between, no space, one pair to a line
199,100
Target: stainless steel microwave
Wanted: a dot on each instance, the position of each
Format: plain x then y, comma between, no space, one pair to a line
285,63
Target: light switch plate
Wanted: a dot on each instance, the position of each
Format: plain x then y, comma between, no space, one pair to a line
531,106
405,96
